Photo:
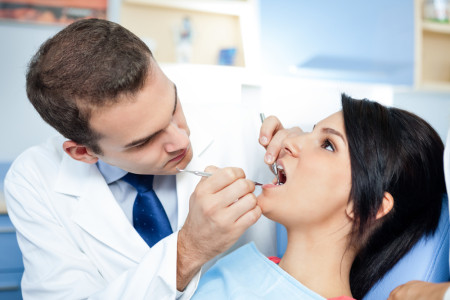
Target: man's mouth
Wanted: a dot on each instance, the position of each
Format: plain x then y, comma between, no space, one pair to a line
179,157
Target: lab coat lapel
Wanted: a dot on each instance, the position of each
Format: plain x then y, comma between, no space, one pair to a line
98,213
186,183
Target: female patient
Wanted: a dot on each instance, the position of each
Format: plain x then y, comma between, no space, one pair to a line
359,191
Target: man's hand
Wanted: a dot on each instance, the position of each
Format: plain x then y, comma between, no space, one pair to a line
221,208
419,290
272,135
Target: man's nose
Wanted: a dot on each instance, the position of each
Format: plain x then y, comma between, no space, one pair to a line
176,138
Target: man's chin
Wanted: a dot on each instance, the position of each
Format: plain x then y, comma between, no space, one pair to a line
187,159
171,169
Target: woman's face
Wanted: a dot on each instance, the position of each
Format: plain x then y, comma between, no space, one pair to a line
318,178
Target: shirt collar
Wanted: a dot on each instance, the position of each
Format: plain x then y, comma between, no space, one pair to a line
110,173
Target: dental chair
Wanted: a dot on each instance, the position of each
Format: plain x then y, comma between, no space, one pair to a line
428,260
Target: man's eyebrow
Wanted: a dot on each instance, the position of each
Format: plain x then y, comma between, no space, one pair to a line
146,139
335,132
176,99
141,141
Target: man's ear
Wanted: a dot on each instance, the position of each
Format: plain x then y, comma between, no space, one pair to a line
386,205
79,152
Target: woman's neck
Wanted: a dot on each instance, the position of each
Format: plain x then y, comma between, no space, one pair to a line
320,262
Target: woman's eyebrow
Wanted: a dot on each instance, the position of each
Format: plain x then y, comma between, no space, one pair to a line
335,132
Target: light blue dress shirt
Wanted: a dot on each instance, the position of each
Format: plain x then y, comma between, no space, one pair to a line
164,187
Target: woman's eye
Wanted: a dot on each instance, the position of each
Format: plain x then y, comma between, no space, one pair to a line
327,145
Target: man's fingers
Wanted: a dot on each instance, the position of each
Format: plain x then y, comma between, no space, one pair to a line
238,208
269,128
235,191
249,218
221,179
277,143
272,135
211,169
275,146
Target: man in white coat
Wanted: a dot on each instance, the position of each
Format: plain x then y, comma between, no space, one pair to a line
99,86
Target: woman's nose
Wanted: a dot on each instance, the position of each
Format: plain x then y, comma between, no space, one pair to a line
293,144
176,138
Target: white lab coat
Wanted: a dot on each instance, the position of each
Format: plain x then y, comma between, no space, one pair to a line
76,240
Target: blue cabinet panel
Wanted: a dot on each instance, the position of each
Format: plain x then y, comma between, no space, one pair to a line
11,264
10,258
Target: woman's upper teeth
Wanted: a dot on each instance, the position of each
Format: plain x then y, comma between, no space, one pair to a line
282,174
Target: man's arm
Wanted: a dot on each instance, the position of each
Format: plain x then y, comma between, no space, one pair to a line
61,261
420,290
221,208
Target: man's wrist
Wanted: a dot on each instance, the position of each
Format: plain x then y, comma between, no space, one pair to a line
189,261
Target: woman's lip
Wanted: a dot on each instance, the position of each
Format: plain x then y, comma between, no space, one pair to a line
270,186
179,157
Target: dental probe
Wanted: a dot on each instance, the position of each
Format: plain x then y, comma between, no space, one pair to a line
205,174
274,165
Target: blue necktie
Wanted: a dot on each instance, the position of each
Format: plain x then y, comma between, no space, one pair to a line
149,217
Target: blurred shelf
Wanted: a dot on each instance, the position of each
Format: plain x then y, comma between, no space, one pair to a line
432,48
437,86
234,8
216,25
436,27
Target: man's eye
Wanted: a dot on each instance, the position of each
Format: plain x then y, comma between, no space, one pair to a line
141,145
327,145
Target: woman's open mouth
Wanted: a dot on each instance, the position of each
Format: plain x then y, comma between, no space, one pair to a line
281,175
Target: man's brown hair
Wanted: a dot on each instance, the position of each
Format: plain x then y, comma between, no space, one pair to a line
87,65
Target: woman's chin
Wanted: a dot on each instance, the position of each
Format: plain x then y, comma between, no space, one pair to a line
266,203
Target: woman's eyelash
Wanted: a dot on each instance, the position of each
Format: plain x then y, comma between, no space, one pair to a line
328,145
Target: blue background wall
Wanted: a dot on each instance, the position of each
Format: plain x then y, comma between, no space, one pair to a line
352,33
292,32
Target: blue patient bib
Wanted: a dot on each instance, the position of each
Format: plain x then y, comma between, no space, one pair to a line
247,274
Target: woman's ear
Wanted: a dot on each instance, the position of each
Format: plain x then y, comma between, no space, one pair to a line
349,210
386,205
80,152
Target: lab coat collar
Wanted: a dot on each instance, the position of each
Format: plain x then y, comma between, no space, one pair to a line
96,202
186,183
98,212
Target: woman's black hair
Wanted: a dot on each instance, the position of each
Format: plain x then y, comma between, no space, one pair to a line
395,151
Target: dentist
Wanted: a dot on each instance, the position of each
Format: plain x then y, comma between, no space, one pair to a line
76,200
